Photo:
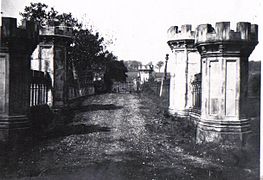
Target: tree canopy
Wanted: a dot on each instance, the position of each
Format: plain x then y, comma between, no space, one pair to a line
132,65
39,12
159,65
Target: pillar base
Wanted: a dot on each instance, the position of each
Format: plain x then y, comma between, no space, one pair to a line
13,127
179,113
224,132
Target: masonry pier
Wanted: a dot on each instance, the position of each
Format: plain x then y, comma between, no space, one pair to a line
186,64
224,56
218,84
17,45
50,57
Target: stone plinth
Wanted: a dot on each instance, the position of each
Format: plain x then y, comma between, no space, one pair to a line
224,56
17,45
51,57
186,64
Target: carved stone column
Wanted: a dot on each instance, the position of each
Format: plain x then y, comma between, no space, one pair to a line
224,56
185,65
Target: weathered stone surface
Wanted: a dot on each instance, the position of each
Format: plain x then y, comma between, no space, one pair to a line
224,56
224,76
17,44
186,64
51,57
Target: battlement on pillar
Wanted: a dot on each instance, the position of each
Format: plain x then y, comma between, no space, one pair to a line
9,30
59,31
245,32
186,32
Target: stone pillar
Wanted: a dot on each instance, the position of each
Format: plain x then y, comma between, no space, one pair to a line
186,64
17,45
224,56
51,57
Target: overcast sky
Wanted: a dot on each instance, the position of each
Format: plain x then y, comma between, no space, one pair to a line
138,27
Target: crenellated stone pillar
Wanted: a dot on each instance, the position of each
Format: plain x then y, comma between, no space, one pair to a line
51,57
224,56
17,45
185,65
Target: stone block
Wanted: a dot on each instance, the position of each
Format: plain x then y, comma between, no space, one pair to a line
245,30
222,30
9,27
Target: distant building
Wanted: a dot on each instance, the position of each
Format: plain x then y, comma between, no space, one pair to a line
145,72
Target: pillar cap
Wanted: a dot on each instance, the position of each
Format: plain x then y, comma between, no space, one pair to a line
173,33
9,29
245,32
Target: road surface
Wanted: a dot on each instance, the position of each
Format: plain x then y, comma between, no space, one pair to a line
115,136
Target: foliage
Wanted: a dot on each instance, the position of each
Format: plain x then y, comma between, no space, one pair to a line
38,12
159,65
115,70
35,12
132,65
87,50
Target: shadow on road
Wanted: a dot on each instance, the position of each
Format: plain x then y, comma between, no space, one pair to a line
76,129
96,107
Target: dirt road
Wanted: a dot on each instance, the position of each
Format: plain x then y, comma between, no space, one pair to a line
116,136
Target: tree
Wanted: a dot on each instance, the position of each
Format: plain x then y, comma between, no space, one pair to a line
115,70
87,50
39,12
159,65
132,65
35,12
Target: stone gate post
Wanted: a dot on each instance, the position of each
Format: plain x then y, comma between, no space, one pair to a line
51,57
17,45
186,64
224,56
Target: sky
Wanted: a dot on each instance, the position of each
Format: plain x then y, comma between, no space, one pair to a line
138,28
